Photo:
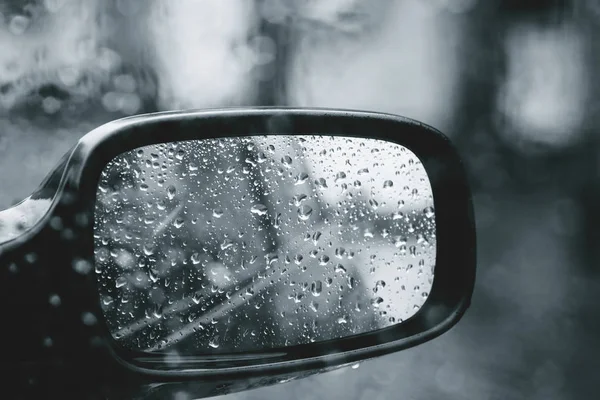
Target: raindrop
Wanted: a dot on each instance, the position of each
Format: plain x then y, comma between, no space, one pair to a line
286,161
376,302
340,176
120,281
314,306
259,209
379,285
218,212
271,258
351,282
153,274
304,212
400,241
363,171
149,248
388,184
316,288
197,297
301,178
277,221
315,237
299,198
323,260
321,182
196,259
340,268
171,191
178,223
429,212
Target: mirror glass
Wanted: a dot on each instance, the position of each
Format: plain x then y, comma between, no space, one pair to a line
256,243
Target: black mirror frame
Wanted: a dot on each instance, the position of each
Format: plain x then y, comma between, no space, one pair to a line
455,259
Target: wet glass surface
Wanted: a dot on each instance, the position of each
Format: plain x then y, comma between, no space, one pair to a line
255,243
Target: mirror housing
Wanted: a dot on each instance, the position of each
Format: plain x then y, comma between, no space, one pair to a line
55,257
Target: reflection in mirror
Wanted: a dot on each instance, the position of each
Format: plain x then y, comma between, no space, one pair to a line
256,243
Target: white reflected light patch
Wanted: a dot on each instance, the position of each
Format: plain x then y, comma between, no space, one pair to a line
193,42
406,64
545,90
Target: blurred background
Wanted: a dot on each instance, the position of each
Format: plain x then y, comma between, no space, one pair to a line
513,84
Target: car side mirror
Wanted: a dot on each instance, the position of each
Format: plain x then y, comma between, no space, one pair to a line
239,243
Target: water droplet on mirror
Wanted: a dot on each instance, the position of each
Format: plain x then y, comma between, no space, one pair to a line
363,171
388,184
197,297
379,285
149,248
259,209
321,182
429,212
314,306
301,178
323,260
153,275
400,241
373,203
351,282
299,198
376,302
286,161
171,191
304,212
196,259
340,176
218,212
158,311
316,288
315,237
271,258
178,223
339,268
277,221
120,282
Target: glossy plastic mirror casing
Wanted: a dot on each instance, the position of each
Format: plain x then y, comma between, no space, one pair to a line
40,262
